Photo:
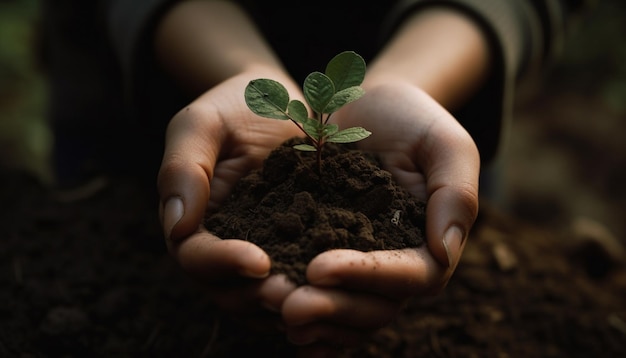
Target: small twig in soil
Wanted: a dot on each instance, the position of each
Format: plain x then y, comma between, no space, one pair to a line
434,344
152,337
206,352
617,323
87,190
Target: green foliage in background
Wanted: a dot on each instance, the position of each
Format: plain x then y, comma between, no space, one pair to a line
594,56
25,139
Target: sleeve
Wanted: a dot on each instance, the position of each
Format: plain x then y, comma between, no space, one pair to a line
126,25
524,36
146,92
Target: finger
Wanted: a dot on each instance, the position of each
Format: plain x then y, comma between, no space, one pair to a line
452,172
450,216
396,274
451,164
253,303
210,259
238,301
246,296
186,169
309,304
273,292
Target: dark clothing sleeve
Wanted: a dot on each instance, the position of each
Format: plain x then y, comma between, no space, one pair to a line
105,78
524,35
128,26
95,55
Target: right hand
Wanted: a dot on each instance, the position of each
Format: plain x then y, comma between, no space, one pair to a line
351,294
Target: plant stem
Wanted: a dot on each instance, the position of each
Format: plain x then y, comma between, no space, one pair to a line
319,159
303,131
320,143
327,119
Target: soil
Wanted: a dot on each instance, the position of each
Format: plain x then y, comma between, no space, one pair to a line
295,212
92,277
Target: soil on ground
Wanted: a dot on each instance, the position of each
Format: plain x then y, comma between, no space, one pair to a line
92,277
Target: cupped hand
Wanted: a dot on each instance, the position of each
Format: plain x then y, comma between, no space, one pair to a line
351,293
210,144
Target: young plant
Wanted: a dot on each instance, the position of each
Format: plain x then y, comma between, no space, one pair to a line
324,92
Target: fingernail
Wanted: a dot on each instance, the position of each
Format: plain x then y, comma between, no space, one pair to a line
452,239
252,274
253,269
173,211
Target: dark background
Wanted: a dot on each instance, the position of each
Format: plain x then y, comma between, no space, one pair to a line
85,273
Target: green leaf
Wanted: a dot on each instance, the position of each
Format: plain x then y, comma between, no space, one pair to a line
344,97
267,98
318,90
313,128
347,69
330,129
297,111
305,147
349,135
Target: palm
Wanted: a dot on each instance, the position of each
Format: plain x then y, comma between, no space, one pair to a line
250,141
210,145
230,140
426,150
401,120
430,154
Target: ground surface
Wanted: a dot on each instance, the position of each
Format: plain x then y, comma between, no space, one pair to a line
92,278
88,276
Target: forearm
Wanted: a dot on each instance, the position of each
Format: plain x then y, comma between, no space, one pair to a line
202,43
440,50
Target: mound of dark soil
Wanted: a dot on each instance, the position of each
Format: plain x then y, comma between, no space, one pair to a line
294,213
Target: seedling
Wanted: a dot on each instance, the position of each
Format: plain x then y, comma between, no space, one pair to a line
325,93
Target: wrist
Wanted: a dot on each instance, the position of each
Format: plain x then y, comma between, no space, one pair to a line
203,43
439,49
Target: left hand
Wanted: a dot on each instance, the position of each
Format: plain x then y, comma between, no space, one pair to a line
350,293
210,144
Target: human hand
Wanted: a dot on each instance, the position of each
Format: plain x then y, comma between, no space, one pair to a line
351,293
210,145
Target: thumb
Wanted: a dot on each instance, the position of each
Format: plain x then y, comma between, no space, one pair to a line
184,193
452,168
450,214
183,179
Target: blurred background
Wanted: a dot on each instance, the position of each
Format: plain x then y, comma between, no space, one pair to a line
566,157
25,140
